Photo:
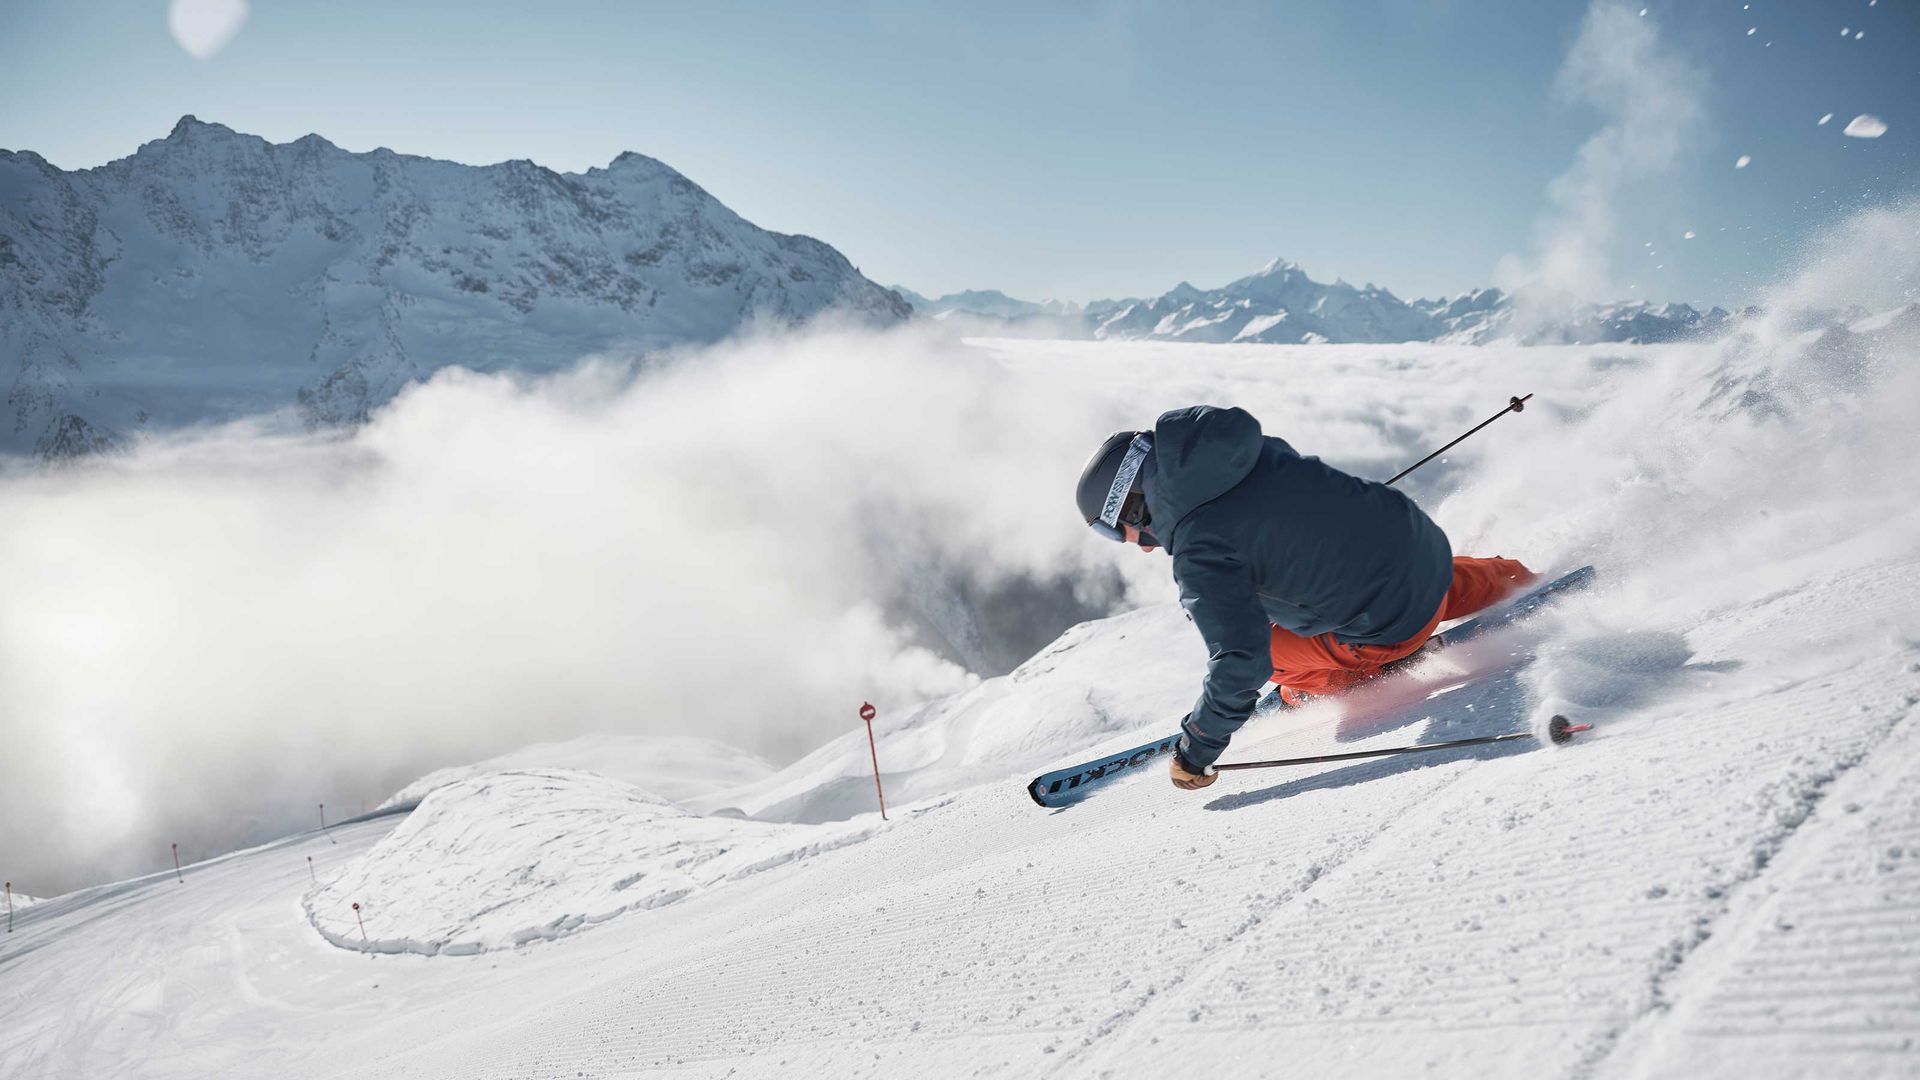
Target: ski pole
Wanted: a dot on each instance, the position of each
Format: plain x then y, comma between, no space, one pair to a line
1518,404
1559,729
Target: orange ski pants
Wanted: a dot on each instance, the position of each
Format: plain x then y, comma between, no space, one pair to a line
1322,665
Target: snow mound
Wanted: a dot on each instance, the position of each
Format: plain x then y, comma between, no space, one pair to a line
676,767
505,858
1098,681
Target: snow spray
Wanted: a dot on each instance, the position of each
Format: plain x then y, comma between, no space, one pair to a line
358,919
176,865
867,714
323,824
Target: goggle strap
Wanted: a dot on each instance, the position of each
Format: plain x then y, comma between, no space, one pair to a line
1137,452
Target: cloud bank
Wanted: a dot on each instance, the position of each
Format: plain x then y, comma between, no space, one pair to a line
206,637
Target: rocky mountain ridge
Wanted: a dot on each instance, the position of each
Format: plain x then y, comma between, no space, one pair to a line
214,274
1281,304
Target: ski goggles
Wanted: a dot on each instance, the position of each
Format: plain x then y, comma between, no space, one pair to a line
1109,522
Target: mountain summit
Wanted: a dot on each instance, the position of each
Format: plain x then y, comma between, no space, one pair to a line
214,274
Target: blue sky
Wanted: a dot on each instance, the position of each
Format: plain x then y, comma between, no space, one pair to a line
1073,150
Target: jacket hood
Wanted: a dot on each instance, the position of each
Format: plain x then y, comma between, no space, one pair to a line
1199,454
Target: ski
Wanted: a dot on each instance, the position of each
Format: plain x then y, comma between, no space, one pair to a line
1067,786
1063,787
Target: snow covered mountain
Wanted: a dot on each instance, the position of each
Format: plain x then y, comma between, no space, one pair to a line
986,302
213,274
1281,305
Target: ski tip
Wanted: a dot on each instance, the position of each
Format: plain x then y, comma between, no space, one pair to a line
1560,729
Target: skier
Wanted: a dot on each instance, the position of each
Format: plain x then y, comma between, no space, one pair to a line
1292,570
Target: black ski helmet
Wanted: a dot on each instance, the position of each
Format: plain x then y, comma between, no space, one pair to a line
1097,479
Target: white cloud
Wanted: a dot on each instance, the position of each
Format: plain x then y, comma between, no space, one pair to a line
203,27
743,543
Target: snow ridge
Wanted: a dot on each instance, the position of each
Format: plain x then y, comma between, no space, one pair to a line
507,858
213,275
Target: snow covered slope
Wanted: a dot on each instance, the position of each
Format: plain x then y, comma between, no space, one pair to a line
213,275
1647,903
505,858
1092,683
674,767
1718,881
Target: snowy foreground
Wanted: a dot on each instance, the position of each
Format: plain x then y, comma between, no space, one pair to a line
1722,879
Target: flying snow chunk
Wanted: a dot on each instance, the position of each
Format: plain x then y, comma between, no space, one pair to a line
203,27
1824,119
1865,127
1743,161
1688,235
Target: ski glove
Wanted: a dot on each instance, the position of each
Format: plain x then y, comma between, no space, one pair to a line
1187,778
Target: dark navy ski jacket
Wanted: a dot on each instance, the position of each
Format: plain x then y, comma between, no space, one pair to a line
1261,537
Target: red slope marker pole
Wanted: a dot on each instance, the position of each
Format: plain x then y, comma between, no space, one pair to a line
867,714
323,824
176,865
358,919
9,907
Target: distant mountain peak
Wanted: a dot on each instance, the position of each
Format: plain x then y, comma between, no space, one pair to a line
626,161
190,125
1281,304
